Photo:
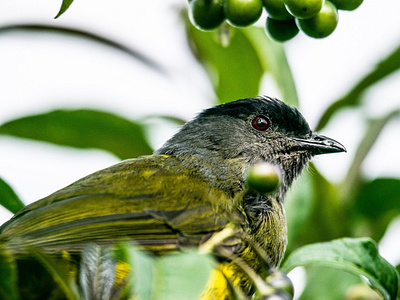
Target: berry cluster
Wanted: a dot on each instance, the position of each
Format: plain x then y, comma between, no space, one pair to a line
316,18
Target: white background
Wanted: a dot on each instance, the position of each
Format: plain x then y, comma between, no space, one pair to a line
43,72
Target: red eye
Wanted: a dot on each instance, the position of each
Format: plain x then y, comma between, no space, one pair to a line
260,123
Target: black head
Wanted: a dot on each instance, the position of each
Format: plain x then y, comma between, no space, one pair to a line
251,130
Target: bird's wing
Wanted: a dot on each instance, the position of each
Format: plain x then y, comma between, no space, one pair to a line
153,200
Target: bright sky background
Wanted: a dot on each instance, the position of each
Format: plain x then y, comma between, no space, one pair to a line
43,72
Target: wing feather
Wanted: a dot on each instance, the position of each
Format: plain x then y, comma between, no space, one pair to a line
152,200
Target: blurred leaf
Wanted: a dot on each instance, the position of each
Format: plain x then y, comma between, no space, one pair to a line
379,202
183,275
9,199
8,280
175,276
86,35
375,127
274,60
314,211
59,273
64,6
140,283
82,129
327,284
384,68
235,69
97,273
299,207
358,256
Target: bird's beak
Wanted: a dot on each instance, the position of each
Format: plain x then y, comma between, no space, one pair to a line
318,144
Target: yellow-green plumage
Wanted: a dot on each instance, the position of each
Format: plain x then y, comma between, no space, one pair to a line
139,197
190,189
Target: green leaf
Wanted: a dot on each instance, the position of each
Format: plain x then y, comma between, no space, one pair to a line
9,199
8,281
58,272
313,211
273,57
383,69
378,201
182,276
83,129
64,6
328,284
174,276
235,69
358,256
140,283
87,36
299,207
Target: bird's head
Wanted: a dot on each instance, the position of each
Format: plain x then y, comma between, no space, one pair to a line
248,131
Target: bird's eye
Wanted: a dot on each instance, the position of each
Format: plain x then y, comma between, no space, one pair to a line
260,123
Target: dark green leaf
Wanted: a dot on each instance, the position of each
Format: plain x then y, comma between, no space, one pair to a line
9,199
8,278
235,69
88,36
64,6
386,67
378,201
59,273
358,256
83,129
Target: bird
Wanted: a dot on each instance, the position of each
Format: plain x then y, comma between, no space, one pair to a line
187,191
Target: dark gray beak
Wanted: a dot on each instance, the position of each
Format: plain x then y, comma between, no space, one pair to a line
318,144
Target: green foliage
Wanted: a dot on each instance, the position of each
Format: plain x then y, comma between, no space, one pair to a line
83,129
64,6
9,199
358,256
177,276
236,66
232,78
376,204
323,279
318,210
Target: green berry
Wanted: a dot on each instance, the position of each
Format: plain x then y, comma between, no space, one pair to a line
242,13
347,4
263,178
276,9
322,24
207,14
304,9
281,31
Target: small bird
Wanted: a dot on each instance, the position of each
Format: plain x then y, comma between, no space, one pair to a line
187,191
